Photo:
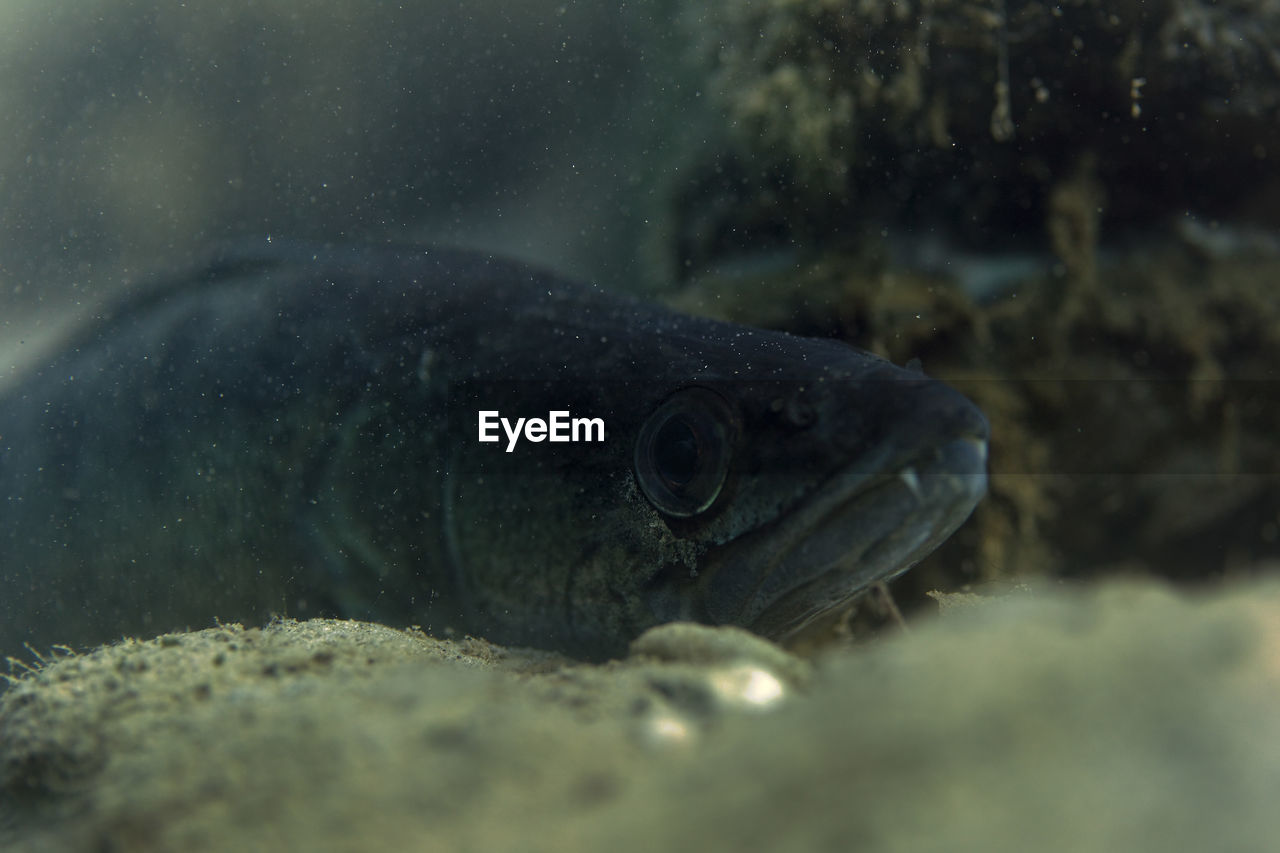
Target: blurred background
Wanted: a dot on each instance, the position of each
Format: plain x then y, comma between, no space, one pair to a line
134,135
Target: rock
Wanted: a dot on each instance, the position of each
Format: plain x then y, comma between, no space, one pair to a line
1117,717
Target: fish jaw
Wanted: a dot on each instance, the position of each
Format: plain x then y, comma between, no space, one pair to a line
858,536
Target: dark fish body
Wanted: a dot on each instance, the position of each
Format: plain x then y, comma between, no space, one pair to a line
294,432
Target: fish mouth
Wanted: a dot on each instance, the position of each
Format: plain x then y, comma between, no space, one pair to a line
856,530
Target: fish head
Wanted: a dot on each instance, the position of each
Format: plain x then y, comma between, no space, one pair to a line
803,488
746,477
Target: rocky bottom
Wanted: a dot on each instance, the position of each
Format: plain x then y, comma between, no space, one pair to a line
1122,716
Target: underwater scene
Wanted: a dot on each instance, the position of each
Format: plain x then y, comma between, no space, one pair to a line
708,425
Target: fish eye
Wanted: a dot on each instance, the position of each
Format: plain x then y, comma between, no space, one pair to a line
683,451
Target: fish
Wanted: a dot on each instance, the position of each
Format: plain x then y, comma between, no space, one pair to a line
295,430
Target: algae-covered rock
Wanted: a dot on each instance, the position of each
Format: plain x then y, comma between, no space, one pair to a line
840,115
1122,718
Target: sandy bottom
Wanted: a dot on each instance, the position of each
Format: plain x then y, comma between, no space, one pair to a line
1120,717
